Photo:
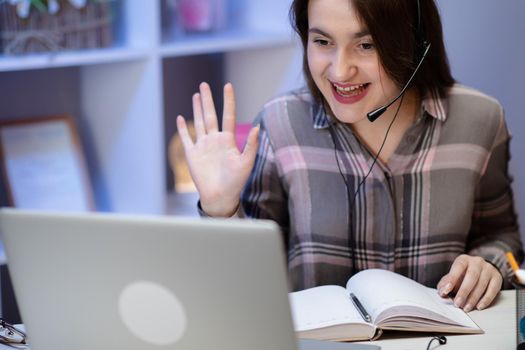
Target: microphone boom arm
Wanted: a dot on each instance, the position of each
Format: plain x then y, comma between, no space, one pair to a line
372,116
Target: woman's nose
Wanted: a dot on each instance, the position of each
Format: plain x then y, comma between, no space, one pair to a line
344,66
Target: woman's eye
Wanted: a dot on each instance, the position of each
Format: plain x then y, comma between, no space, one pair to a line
367,46
321,42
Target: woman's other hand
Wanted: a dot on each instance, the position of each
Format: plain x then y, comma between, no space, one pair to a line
474,281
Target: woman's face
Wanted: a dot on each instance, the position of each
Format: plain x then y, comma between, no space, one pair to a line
343,61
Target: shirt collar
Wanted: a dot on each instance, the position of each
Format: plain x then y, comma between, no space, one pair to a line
321,119
434,105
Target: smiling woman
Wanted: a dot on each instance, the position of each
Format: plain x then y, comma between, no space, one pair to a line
423,191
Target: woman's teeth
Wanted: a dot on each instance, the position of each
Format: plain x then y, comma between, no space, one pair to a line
350,90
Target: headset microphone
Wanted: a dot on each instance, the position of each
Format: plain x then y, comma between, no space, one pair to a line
372,116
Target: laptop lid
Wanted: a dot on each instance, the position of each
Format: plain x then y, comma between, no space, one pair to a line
101,281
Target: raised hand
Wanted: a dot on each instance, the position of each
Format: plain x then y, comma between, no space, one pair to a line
219,170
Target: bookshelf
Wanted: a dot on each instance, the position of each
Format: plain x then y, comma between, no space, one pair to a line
125,98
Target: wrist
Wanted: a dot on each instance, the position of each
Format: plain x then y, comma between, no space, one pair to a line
219,210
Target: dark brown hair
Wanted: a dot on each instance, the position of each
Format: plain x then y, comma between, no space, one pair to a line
393,25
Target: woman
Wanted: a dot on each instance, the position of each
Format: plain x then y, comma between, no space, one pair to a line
422,191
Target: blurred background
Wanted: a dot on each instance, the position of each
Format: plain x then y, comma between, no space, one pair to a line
118,72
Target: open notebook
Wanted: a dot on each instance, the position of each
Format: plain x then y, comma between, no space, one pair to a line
390,300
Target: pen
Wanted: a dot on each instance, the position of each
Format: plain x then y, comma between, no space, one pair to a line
512,261
519,274
360,308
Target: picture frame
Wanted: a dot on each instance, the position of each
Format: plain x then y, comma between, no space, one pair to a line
43,165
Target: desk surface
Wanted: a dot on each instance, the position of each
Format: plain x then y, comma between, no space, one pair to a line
498,322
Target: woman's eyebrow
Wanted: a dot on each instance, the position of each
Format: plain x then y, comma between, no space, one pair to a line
315,30
361,34
358,35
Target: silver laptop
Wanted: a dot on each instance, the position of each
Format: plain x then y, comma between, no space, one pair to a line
99,281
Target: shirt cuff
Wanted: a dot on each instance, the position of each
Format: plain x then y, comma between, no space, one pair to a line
239,213
499,261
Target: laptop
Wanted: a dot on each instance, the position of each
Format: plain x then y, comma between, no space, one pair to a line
107,281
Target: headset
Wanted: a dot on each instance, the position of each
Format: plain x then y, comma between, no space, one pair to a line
422,49
421,44
442,340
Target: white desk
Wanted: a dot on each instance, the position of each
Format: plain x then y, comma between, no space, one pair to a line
498,322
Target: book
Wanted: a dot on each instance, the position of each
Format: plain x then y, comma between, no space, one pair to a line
384,300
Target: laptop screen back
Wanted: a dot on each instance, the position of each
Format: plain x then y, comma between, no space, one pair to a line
100,281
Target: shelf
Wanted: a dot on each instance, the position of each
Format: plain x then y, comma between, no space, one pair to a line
124,97
70,58
196,44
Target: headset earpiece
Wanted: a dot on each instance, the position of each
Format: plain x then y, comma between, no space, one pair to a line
442,340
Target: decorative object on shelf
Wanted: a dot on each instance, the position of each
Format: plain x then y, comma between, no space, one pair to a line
29,26
177,159
241,134
23,7
43,165
201,15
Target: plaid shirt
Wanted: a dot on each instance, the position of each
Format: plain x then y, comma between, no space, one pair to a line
445,191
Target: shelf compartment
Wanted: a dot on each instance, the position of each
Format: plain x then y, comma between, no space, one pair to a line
70,58
224,41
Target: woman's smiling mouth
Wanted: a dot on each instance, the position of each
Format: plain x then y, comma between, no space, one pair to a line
349,93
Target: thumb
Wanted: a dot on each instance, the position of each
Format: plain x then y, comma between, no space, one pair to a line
250,150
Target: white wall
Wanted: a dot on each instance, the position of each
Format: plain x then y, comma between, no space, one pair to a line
486,47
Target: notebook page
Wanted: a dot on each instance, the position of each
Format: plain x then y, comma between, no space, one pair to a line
322,307
381,289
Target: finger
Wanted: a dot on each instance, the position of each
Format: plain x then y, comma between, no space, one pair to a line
198,121
208,108
454,277
252,142
479,290
470,280
492,291
185,137
444,286
228,114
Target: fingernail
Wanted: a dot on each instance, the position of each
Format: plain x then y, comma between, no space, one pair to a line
446,289
467,308
481,306
458,301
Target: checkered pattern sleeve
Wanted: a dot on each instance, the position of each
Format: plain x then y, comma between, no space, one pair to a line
494,229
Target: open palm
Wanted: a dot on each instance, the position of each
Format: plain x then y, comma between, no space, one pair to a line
219,170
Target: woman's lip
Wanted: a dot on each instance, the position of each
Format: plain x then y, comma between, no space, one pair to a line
349,99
